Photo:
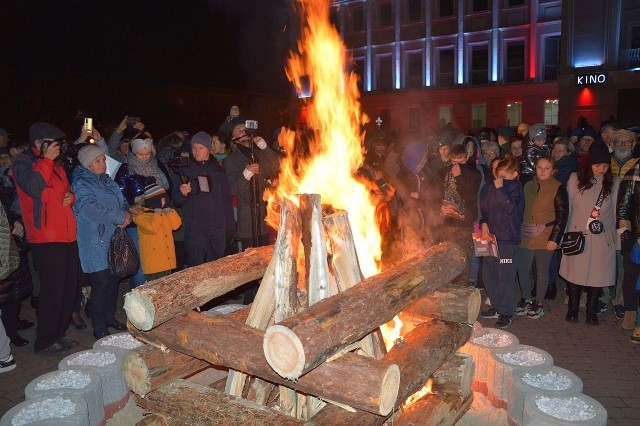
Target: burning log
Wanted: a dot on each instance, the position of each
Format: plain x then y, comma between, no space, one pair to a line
300,343
439,409
154,419
195,404
372,384
315,249
156,302
450,303
418,356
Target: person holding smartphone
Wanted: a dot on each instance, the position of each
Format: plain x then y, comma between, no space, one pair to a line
46,200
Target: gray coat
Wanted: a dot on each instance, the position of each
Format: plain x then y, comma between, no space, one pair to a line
596,266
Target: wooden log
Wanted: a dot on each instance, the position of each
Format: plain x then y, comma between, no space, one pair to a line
434,409
154,419
147,368
372,385
455,375
315,249
158,301
448,303
419,354
300,343
277,292
195,404
346,267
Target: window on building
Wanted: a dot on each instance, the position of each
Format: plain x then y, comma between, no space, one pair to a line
511,3
415,115
479,5
551,112
478,116
551,58
514,72
447,67
357,19
445,8
414,11
479,64
444,113
514,113
384,68
414,70
385,16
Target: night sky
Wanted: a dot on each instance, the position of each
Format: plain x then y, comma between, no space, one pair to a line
96,55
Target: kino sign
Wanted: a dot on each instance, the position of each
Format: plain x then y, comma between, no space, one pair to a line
591,79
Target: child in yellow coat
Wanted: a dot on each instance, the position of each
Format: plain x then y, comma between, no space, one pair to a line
156,224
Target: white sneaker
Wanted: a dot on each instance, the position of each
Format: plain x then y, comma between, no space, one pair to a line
7,364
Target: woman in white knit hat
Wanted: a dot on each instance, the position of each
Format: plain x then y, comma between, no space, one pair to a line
100,207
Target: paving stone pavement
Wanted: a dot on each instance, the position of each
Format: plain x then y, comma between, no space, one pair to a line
602,356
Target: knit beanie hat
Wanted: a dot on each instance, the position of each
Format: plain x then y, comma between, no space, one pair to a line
202,138
88,154
538,132
138,144
588,131
599,153
414,156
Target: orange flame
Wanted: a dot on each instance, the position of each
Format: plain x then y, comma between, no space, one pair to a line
334,119
426,389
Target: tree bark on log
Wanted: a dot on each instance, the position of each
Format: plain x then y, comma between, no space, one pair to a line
167,297
455,375
372,385
201,405
154,419
448,303
300,343
147,368
315,249
439,409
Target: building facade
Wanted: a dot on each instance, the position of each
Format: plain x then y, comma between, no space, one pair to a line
473,63
600,66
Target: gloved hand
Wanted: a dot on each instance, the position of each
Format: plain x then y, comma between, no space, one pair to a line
231,237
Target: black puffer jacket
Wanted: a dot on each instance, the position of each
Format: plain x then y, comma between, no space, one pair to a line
628,205
531,154
502,210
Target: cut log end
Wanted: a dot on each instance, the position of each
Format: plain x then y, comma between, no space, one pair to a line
390,388
136,374
284,351
140,311
475,301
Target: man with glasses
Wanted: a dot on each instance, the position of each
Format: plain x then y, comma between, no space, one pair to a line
45,198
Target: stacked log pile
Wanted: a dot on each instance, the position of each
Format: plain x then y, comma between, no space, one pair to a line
309,348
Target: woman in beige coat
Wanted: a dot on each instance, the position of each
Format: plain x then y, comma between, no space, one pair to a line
595,267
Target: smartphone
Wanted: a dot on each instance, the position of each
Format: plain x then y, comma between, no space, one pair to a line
88,125
132,121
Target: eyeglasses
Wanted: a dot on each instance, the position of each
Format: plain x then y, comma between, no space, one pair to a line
623,142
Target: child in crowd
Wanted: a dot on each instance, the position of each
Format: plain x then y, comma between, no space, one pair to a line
502,209
156,222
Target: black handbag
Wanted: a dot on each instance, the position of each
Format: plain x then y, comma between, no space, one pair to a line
572,243
123,256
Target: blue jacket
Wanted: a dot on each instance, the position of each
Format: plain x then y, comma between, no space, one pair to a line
99,207
502,209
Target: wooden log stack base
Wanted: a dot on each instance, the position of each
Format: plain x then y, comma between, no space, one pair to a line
154,303
372,384
301,342
448,303
195,404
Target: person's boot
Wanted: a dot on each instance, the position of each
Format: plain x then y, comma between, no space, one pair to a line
552,291
593,294
573,291
635,336
629,321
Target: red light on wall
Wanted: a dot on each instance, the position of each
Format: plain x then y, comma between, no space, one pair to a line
532,58
585,97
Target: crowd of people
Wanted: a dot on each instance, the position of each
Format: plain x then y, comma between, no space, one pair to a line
185,200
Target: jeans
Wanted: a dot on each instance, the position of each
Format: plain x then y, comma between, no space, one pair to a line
104,295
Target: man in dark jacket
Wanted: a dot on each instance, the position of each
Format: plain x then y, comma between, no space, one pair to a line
206,201
46,200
